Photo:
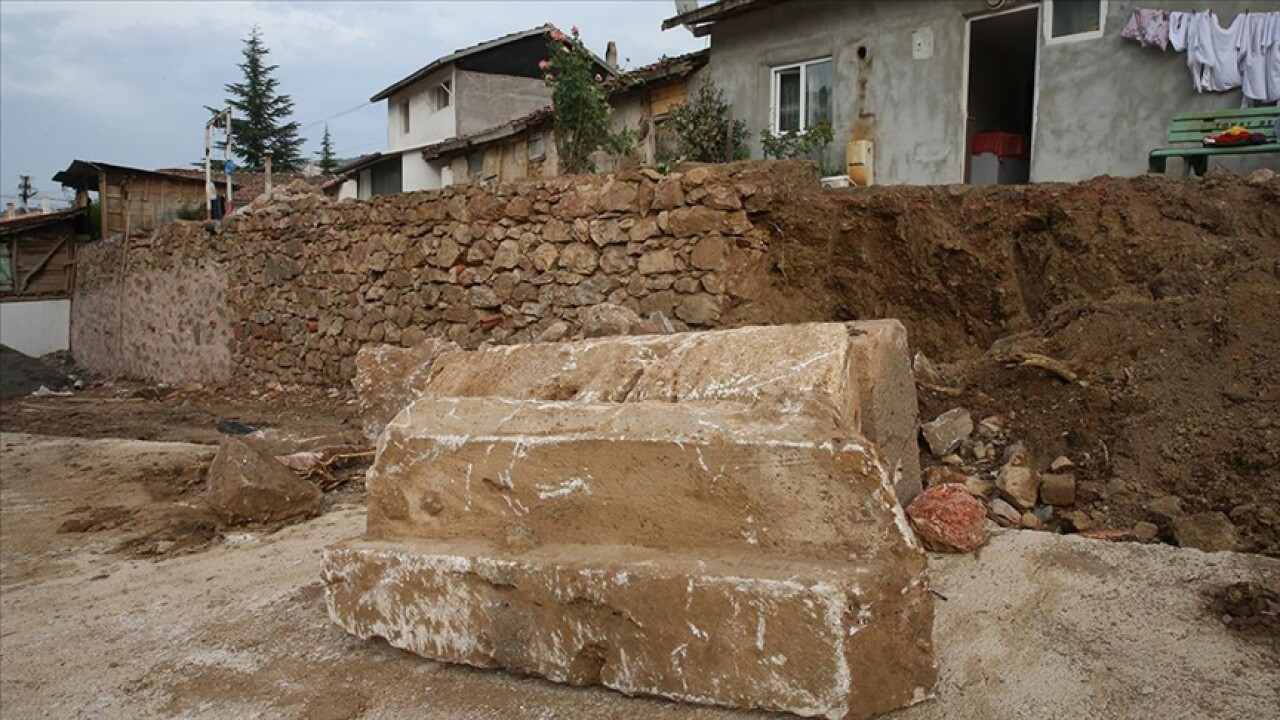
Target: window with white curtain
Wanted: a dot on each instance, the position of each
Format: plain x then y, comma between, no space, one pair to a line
803,95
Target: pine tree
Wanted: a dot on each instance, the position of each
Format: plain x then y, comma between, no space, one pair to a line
328,163
261,115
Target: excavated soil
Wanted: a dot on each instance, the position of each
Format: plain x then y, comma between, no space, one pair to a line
1160,295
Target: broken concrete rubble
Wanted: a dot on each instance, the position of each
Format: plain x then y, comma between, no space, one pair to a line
662,515
949,519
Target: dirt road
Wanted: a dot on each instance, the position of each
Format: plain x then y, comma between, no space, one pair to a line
1034,625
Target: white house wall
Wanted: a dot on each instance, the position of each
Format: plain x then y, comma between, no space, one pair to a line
418,174
426,124
36,327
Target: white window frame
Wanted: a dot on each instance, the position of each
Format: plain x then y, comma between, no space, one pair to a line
775,87
442,90
1049,39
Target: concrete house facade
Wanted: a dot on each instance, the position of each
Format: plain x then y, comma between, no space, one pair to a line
463,93
921,79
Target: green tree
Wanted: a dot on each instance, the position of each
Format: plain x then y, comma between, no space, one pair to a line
581,106
327,162
260,121
706,130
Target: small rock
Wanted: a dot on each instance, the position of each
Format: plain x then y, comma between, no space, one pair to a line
555,332
980,488
953,460
1031,522
1019,485
991,427
981,450
1045,513
1061,463
1081,521
948,519
945,433
1058,489
247,485
1016,454
1005,514
1145,531
607,319
942,474
1164,510
1207,531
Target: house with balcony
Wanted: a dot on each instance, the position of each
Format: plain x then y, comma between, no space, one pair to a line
461,94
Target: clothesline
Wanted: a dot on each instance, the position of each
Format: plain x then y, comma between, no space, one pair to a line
1246,54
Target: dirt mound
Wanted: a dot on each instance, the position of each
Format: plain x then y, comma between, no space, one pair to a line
22,374
1159,295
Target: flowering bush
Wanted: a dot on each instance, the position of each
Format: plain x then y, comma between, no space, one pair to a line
581,105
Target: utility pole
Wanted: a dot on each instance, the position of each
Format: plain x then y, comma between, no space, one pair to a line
210,191
26,190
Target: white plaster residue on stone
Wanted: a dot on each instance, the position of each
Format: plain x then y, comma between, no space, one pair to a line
701,462
760,626
697,631
568,487
622,577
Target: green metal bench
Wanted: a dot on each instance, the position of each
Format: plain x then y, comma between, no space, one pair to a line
1192,127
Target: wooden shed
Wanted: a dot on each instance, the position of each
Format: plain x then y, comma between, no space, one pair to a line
133,199
37,278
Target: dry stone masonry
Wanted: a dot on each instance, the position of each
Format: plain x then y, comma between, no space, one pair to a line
663,515
290,289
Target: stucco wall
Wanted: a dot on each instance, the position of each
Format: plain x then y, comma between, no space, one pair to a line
1103,103
426,124
36,327
485,100
416,173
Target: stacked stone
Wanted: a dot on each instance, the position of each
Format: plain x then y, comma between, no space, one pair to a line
310,280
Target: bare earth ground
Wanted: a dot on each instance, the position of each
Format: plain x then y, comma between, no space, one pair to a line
1035,625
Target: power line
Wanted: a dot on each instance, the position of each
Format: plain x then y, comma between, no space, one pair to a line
335,116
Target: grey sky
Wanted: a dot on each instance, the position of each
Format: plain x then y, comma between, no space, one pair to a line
127,82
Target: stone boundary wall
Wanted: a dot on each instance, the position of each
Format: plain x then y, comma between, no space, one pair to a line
289,290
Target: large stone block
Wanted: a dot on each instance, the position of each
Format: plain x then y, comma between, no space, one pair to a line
815,638
859,372
389,377
654,474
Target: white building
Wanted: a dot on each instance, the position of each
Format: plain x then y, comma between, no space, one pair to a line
461,94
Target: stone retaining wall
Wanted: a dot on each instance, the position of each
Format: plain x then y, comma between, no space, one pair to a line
289,290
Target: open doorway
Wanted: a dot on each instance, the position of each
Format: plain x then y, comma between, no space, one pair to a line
1000,105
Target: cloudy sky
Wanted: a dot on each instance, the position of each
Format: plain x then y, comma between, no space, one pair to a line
127,82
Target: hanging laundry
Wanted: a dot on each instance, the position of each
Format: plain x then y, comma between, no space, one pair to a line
1178,24
1213,52
1148,27
1259,49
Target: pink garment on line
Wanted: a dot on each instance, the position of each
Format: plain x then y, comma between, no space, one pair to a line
1148,27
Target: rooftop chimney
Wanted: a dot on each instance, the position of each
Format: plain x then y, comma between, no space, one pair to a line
45,206
611,55
9,211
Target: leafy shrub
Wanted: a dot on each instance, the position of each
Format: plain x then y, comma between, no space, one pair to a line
796,144
705,128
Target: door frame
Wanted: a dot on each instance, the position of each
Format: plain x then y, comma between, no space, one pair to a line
1035,88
